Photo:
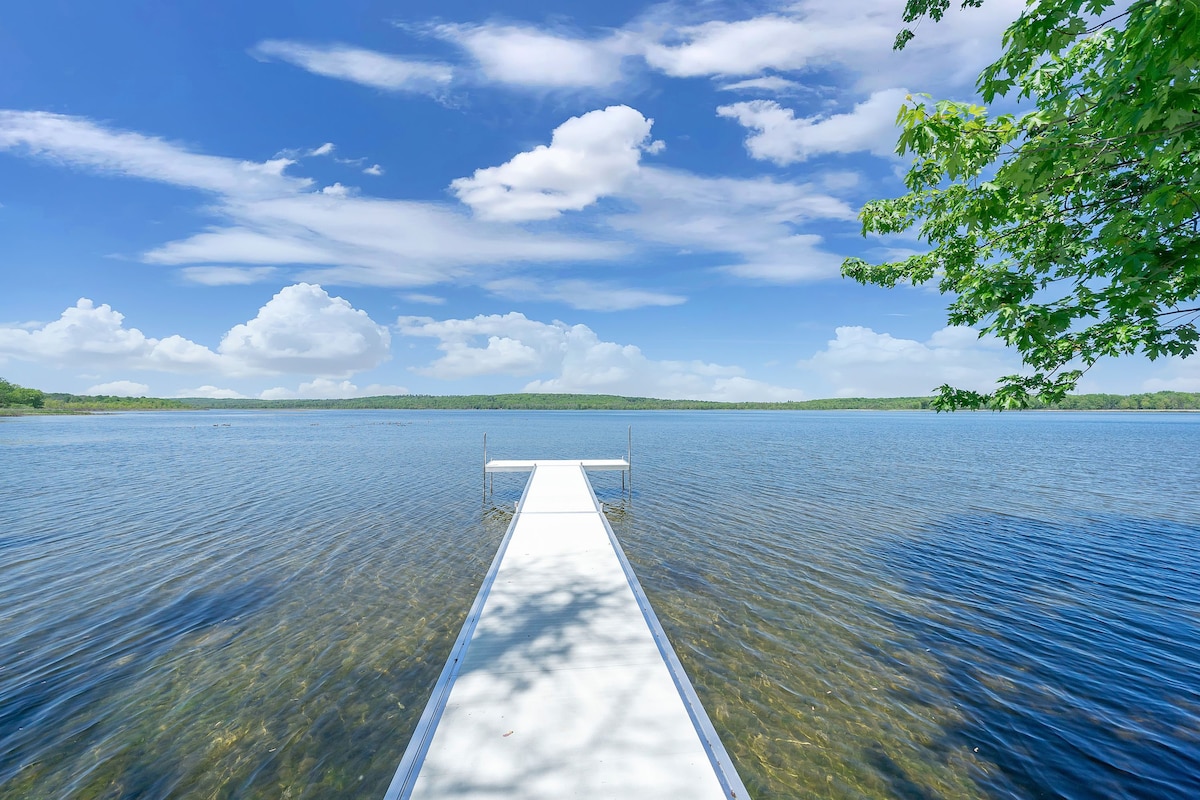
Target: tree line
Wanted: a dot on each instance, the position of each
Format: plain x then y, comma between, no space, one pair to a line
15,396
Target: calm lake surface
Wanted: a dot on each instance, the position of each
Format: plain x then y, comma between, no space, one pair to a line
870,605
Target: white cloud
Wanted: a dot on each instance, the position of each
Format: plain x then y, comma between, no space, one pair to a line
227,276
374,169
320,389
529,57
373,241
323,150
783,139
425,299
862,363
325,389
119,389
752,220
96,336
366,67
853,37
302,329
268,220
770,83
376,389
573,359
743,47
1175,375
582,294
211,392
82,143
337,190
588,157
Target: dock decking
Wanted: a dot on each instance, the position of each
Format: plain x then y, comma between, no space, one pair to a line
562,683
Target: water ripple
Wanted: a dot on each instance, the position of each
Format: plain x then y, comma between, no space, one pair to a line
870,605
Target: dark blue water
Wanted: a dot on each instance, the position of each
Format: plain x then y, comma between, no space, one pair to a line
871,605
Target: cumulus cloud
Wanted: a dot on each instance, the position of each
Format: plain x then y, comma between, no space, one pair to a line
300,330
357,65
862,363
588,157
1175,375
303,329
337,190
211,392
325,389
526,56
582,294
374,169
572,358
96,335
119,389
782,138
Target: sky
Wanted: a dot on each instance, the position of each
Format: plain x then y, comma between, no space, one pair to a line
302,200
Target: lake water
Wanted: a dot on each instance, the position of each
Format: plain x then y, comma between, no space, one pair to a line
870,605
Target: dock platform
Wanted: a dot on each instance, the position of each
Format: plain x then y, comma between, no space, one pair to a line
562,683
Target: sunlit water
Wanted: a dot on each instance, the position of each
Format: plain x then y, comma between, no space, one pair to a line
257,604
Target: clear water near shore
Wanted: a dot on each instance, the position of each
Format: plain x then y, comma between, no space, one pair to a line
870,605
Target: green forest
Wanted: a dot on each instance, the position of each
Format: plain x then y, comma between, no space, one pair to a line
15,399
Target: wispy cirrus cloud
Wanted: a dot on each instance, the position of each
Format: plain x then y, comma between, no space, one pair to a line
540,58
228,276
267,218
752,223
359,65
586,295
264,218
81,143
772,84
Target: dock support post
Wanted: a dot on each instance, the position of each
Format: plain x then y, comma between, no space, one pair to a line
485,472
629,461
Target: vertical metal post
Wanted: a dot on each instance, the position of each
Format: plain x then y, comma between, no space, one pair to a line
485,468
629,461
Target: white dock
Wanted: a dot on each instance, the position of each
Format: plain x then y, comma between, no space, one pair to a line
562,683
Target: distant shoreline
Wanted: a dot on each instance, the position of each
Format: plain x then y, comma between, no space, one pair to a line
56,403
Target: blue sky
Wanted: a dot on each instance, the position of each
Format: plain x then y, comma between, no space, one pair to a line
328,200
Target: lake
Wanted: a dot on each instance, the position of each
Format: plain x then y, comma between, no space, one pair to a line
870,605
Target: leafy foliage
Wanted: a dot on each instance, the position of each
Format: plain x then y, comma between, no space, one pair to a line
12,394
1071,231
57,401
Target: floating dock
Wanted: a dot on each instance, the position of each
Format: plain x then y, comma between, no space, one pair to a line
562,683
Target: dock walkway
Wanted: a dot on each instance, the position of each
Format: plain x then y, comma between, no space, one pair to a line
562,683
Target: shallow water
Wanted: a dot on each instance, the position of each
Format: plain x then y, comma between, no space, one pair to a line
257,604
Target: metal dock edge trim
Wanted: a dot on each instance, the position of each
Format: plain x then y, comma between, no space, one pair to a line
722,764
418,746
